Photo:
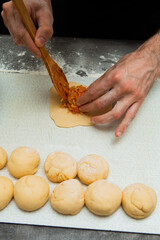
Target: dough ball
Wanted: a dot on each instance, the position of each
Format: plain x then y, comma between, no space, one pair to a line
138,200
6,191
3,158
23,161
31,192
103,197
60,166
92,168
68,197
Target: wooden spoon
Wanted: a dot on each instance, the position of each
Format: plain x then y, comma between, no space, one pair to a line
57,75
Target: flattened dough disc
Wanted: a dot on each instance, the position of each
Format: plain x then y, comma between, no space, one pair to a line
62,117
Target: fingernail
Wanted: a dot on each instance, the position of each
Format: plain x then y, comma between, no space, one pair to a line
82,109
77,102
119,134
93,121
38,56
41,41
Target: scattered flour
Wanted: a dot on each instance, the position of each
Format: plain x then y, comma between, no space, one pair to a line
28,64
37,67
21,54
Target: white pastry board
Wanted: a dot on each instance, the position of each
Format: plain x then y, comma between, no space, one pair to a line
135,157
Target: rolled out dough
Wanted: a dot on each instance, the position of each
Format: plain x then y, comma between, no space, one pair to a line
63,118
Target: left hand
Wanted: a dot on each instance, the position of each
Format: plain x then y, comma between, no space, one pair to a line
126,84
41,13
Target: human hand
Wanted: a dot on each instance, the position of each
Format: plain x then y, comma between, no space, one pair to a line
126,84
41,13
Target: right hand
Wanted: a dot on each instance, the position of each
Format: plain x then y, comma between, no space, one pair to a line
41,13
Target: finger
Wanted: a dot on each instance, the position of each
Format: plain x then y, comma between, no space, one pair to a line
130,115
8,13
4,18
45,27
9,20
96,89
22,38
101,102
116,113
27,41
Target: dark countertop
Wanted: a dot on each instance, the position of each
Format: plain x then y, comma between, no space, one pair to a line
26,232
76,56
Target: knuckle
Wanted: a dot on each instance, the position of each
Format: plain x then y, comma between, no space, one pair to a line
126,87
19,37
92,92
100,103
100,120
17,41
20,34
116,115
116,76
46,32
6,6
2,15
49,31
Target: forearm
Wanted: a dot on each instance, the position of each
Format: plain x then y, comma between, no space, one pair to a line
152,47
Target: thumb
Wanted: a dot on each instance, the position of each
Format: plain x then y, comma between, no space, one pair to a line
44,31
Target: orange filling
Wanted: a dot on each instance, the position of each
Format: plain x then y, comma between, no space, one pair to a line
74,93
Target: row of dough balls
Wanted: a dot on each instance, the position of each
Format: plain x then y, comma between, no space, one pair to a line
59,166
101,197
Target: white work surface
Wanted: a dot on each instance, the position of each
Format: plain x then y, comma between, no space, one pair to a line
135,157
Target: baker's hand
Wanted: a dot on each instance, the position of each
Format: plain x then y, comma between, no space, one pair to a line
41,13
126,84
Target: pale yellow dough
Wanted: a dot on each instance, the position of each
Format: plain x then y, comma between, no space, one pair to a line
92,168
139,200
63,118
31,192
6,191
68,197
60,166
3,158
23,161
103,198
